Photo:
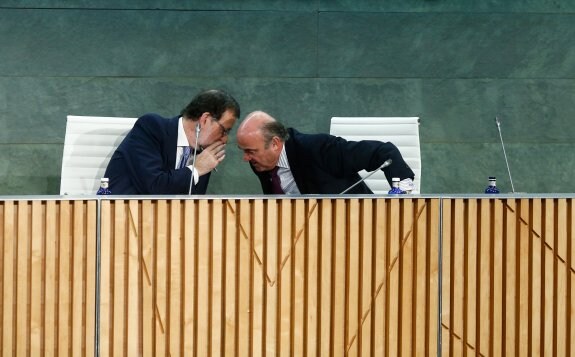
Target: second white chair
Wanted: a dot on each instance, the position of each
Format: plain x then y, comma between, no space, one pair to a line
403,132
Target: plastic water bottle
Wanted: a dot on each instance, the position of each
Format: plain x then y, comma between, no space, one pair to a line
492,188
104,190
395,190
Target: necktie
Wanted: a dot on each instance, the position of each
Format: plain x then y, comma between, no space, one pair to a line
276,183
185,157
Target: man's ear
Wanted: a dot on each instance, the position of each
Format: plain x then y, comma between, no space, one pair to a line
277,144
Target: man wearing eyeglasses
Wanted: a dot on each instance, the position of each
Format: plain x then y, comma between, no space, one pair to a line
174,155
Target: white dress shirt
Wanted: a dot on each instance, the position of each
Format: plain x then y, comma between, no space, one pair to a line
182,142
288,183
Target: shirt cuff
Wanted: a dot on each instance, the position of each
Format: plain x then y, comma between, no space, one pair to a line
195,174
407,185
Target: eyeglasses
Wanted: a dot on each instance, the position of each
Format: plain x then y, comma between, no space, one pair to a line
225,131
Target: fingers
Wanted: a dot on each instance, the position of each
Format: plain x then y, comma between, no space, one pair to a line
217,149
210,157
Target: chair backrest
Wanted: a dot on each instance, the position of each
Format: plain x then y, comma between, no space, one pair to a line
88,146
401,131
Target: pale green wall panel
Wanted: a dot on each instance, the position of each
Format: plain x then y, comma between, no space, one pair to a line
451,45
157,43
455,64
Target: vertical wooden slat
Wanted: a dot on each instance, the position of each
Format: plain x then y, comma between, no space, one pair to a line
299,257
432,236
175,277
50,276
146,222
312,280
407,277
485,274
231,295
120,281
106,323
133,290
561,273
217,276
339,288
190,224
245,281
352,277
548,303
498,299
394,278
537,283
23,282
9,280
285,280
161,262
37,266
380,278
571,278
509,337
204,270
470,282
326,283
422,279
90,276
458,280
272,260
366,308
446,271
258,238
64,282
77,276
523,266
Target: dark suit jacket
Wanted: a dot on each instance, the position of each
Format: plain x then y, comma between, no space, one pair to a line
145,160
326,164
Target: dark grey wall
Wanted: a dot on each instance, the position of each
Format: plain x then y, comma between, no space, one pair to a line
456,64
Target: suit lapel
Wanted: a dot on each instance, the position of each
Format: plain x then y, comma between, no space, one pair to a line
172,140
296,170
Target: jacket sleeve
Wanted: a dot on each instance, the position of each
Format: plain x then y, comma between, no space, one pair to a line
342,158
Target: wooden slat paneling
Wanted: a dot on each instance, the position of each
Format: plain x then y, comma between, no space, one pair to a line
270,277
508,277
289,276
47,280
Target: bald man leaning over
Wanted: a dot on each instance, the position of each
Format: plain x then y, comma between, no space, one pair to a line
312,163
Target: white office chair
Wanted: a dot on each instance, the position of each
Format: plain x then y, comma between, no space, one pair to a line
401,131
88,146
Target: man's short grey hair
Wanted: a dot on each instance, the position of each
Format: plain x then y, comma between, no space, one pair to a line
274,128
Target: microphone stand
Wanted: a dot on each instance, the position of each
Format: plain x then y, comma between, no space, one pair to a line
385,164
504,153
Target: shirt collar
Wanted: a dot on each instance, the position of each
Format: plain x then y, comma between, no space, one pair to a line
283,160
182,139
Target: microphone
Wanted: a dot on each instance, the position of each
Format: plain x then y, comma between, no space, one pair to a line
198,128
504,153
384,165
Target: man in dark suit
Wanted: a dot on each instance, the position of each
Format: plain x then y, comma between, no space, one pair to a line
287,161
161,156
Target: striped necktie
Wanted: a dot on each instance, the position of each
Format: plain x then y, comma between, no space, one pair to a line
185,157
276,183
